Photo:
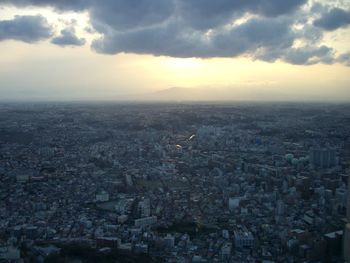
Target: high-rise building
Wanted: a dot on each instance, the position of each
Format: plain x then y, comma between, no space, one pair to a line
348,203
234,202
169,241
347,229
225,252
243,238
323,157
147,221
145,208
103,196
280,208
347,243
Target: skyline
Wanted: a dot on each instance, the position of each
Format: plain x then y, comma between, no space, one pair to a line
174,182
121,50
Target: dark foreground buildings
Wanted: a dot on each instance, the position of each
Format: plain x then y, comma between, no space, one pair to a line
174,182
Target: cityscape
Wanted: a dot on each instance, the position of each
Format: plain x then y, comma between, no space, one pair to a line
174,131
174,182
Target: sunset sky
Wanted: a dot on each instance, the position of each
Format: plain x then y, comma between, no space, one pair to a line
132,49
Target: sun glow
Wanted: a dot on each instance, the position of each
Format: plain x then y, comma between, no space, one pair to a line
182,63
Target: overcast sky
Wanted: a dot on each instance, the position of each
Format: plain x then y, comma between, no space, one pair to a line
128,49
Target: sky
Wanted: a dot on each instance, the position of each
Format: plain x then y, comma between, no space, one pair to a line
175,49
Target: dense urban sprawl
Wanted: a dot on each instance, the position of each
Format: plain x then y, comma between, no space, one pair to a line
174,182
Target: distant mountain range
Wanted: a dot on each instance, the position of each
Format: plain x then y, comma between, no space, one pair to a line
211,94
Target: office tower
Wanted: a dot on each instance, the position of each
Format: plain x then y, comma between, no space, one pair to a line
347,229
348,202
323,157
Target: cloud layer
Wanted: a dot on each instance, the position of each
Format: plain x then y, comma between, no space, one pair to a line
334,19
25,28
288,30
68,38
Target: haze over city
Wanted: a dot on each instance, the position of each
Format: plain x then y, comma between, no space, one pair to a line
175,50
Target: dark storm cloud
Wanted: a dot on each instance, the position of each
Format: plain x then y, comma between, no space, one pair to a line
128,14
309,55
334,19
344,58
254,35
207,13
192,28
68,38
204,28
25,28
75,5
169,39
172,39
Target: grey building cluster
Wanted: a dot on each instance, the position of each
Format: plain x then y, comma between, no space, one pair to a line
178,182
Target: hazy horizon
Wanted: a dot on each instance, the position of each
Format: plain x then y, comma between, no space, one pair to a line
190,95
